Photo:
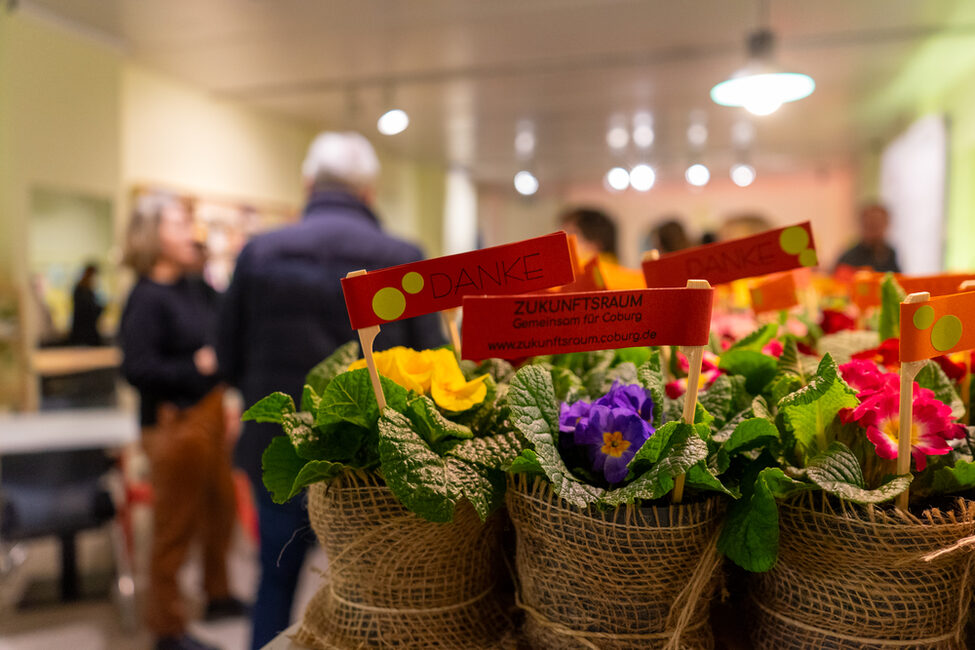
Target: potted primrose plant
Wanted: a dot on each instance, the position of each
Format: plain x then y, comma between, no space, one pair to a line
604,557
402,501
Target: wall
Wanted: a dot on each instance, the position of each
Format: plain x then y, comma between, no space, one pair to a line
826,198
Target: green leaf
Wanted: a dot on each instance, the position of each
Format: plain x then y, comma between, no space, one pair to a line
484,489
751,434
270,409
837,471
499,369
316,471
793,362
624,373
750,537
649,453
304,439
651,377
349,398
526,463
934,378
636,356
321,375
416,474
310,400
280,466
700,477
843,345
490,452
757,339
951,480
783,385
684,450
566,384
430,423
534,412
811,409
757,368
891,296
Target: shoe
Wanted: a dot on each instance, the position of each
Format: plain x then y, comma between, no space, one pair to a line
221,608
183,642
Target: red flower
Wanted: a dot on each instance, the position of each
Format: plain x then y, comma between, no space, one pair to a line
835,321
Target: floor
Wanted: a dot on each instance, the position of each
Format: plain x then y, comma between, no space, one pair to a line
96,622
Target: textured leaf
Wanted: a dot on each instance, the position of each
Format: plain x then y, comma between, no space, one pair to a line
757,368
431,424
416,474
566,384
811,409
757,339
717,399
793,362
624,373
700,477
651,377
891,296
782,385
315,471
749,434
934,378
684,450
526,463
491,452
336,363
750,537
310,400
484,489
534,412
270,409
650,452
838,472
349,398
843,345
636,356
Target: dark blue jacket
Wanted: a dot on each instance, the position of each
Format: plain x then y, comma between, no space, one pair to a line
284,311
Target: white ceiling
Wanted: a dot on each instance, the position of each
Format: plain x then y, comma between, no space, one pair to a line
468,71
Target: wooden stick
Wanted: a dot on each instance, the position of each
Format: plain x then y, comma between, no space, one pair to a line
966,381
909,370
367,337
449,319
695,356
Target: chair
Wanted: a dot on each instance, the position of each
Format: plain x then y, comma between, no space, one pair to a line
59,494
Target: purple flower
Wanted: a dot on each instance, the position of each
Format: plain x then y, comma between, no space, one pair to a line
573,416
611,438
629,396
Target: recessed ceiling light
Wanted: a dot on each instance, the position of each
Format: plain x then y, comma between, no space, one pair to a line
618,179
697,175
393,121
642,177
742,175
525,183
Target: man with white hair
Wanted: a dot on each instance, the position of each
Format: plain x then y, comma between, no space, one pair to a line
283,313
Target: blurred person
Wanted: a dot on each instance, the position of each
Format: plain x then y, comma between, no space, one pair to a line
670,236
709,237
595,232
283,313
743,225
164,334
86,310
872,250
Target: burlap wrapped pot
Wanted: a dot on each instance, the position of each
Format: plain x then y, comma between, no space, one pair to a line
395,580
630,578
865,578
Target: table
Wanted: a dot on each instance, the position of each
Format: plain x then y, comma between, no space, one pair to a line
25,433
284,642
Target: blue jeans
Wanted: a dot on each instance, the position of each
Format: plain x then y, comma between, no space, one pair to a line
285,537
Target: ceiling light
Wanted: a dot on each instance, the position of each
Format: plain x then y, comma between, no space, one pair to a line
617,179
525,139
742,174
525,183
393,121
697,175
617,137
643,134
697,134
642,177
761,87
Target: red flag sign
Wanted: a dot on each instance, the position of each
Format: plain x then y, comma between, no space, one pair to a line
522,326
937,326
441,283
768,252
774,293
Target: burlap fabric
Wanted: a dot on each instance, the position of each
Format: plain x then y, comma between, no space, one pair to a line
854,577
628,578
397,581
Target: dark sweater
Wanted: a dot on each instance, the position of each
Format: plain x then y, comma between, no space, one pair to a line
285,311
162,326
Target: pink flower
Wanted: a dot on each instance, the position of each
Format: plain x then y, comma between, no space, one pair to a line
773,348
931,430
709,372
865,377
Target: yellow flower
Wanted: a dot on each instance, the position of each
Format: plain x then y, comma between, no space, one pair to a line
433,372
